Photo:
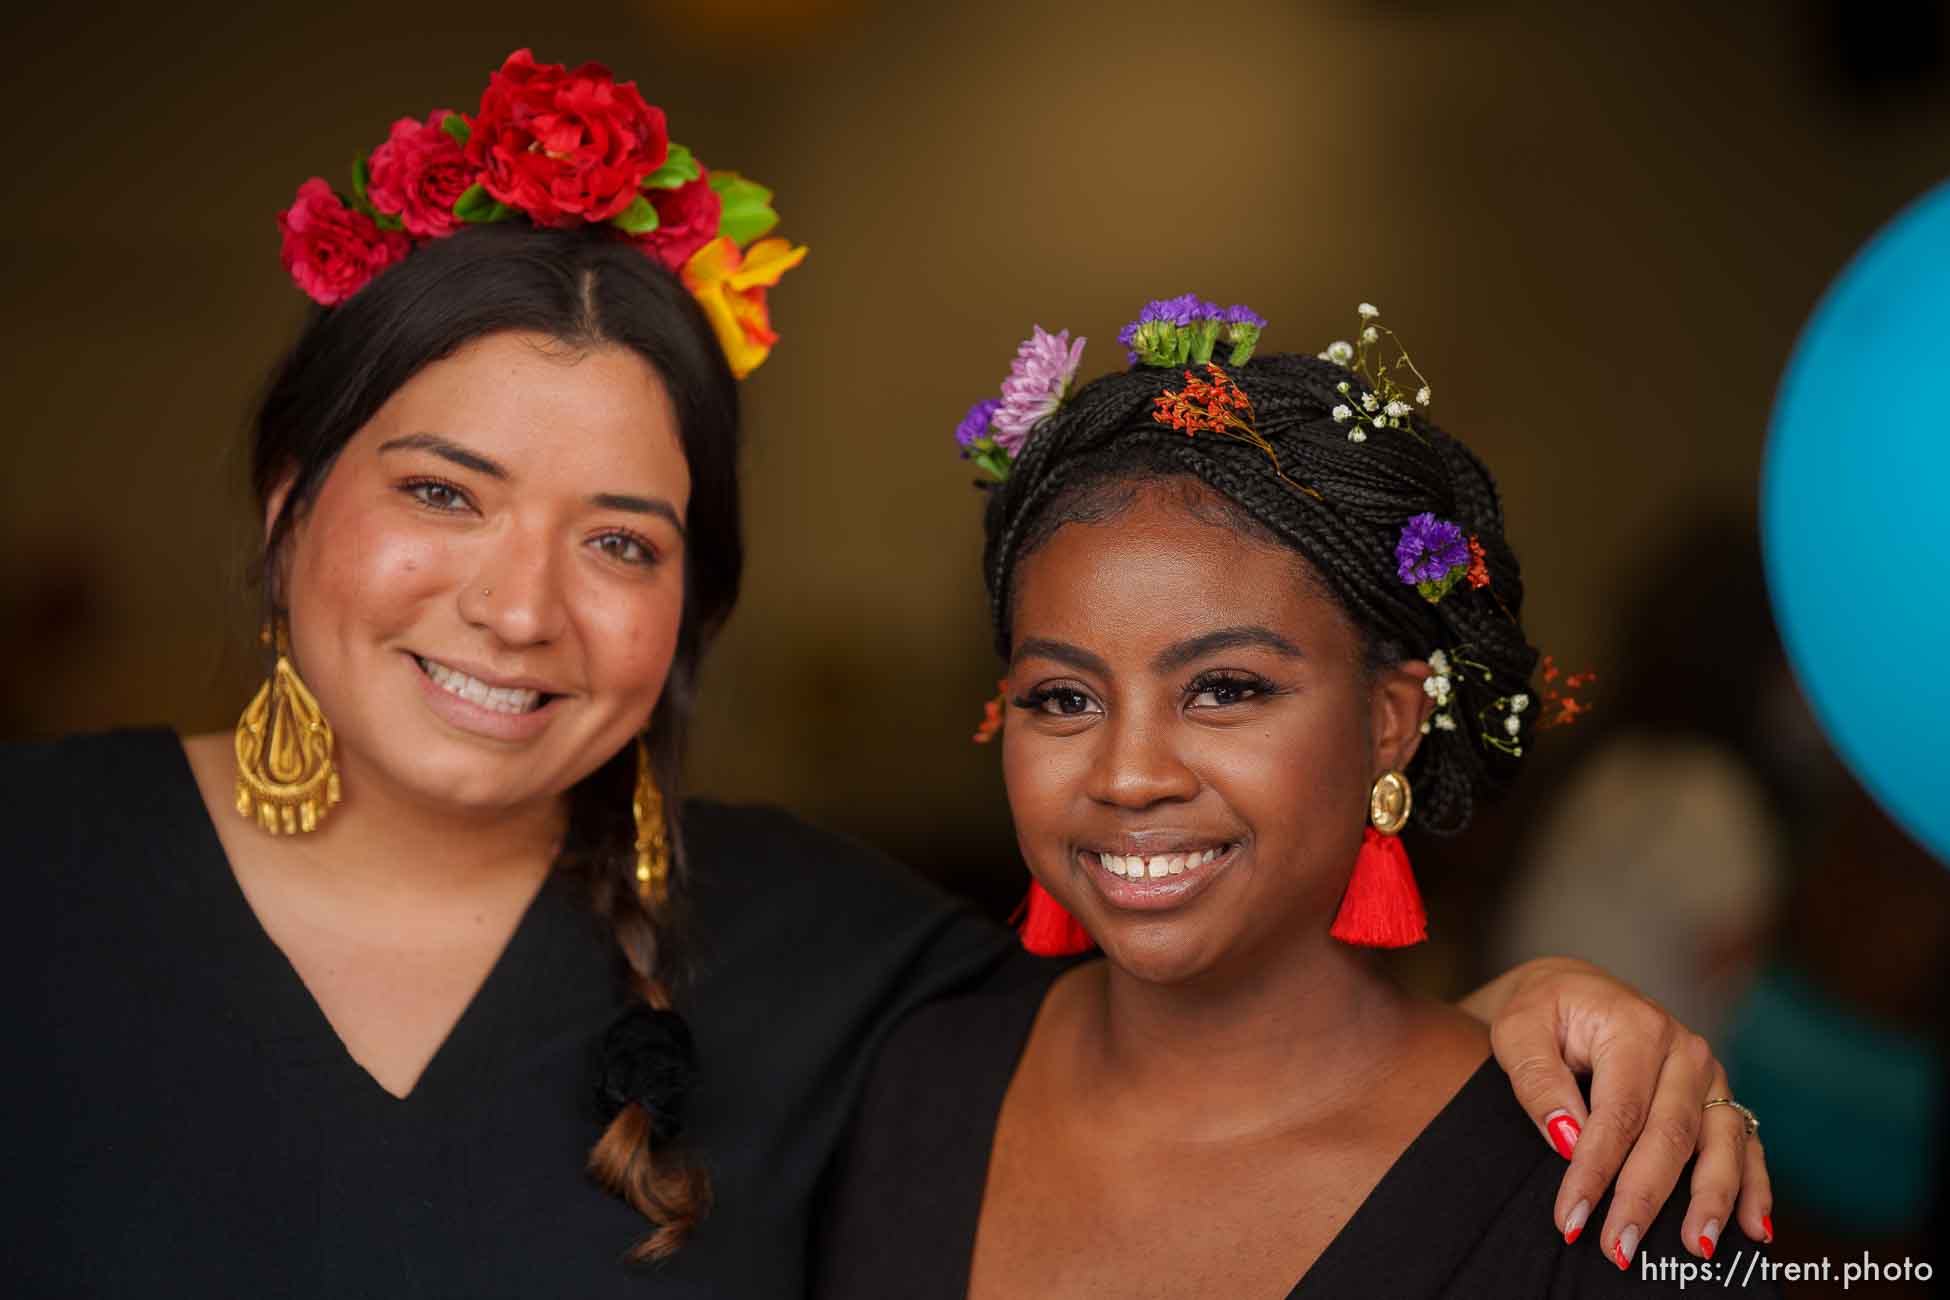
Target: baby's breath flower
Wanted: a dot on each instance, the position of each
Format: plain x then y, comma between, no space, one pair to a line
1422,395
1439,664
1342,414
1518,703
1368,311
1371,335
1396,410
1444,722
1369,401
1340,351
1340,387
1513,724
1357,434
1425,728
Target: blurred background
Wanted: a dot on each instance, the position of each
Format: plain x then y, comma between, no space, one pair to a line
1598,227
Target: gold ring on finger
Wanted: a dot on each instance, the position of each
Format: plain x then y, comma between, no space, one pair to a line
1752,1120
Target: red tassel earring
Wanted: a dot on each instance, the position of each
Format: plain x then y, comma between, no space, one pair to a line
1048,930
1382,907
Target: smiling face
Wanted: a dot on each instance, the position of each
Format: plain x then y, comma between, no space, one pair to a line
1192,735
485,593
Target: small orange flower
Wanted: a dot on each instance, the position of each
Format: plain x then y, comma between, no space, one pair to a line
731,286
1479,569
992,715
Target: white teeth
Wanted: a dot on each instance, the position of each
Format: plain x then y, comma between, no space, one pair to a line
1157,866
497,699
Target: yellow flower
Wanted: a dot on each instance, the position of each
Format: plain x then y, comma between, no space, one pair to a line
730,286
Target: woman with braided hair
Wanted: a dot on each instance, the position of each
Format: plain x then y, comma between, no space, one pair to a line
381,993
1255,616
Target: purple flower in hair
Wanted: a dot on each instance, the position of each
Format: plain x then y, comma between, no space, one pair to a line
975,424
1169,331
1431,555
1241,314
1039,379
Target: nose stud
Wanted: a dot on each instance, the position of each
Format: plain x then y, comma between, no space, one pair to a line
487,591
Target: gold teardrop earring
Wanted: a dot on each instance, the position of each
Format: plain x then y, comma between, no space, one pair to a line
652,836
286,781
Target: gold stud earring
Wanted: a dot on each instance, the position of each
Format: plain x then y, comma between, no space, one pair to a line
286,780
652,836
1389,801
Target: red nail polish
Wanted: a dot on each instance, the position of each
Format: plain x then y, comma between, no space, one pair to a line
1706,1245
1767,1222
1564,1134
1571,1237
1618,1254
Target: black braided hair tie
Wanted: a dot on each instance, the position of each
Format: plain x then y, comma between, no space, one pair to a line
648,1057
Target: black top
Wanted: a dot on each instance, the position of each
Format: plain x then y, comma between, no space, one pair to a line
1464,1212
178,1118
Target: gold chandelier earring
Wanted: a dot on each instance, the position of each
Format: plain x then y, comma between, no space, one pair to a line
286,781
652,836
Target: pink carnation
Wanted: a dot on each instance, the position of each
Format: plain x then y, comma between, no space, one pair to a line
418,175
330,250
687,220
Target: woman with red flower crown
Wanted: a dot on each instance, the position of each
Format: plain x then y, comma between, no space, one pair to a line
423,982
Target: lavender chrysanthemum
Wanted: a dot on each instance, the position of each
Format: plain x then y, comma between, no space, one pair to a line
1430,549
1039,378
975,424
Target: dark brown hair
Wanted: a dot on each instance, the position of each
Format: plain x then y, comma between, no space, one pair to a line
585,288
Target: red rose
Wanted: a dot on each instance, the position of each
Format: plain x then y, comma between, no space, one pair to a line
687,220
330,250
564,146
418,174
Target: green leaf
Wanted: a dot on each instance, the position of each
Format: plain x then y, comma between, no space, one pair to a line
679,168
361,177
476,207
638,219
747,207
456,126
387,221
991,458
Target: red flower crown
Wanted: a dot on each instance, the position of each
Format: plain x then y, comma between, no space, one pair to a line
562,149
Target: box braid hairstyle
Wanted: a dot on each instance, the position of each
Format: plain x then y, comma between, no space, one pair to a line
1081,463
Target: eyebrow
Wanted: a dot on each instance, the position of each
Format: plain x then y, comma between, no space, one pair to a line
1226,638
1171,658
1062,652
448,449
640,506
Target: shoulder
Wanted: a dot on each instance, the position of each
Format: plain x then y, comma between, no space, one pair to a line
1514,1246
76,798
66,766
904,1163
835,938
759,876
971,1042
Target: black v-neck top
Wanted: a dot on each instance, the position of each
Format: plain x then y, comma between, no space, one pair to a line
1465,1211
178,1118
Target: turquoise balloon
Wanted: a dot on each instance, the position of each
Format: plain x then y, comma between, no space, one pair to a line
1855,522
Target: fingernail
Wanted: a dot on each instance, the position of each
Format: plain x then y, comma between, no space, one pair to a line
1709,1237
1767,1224
1574,1221
1564,1132
1621,1253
